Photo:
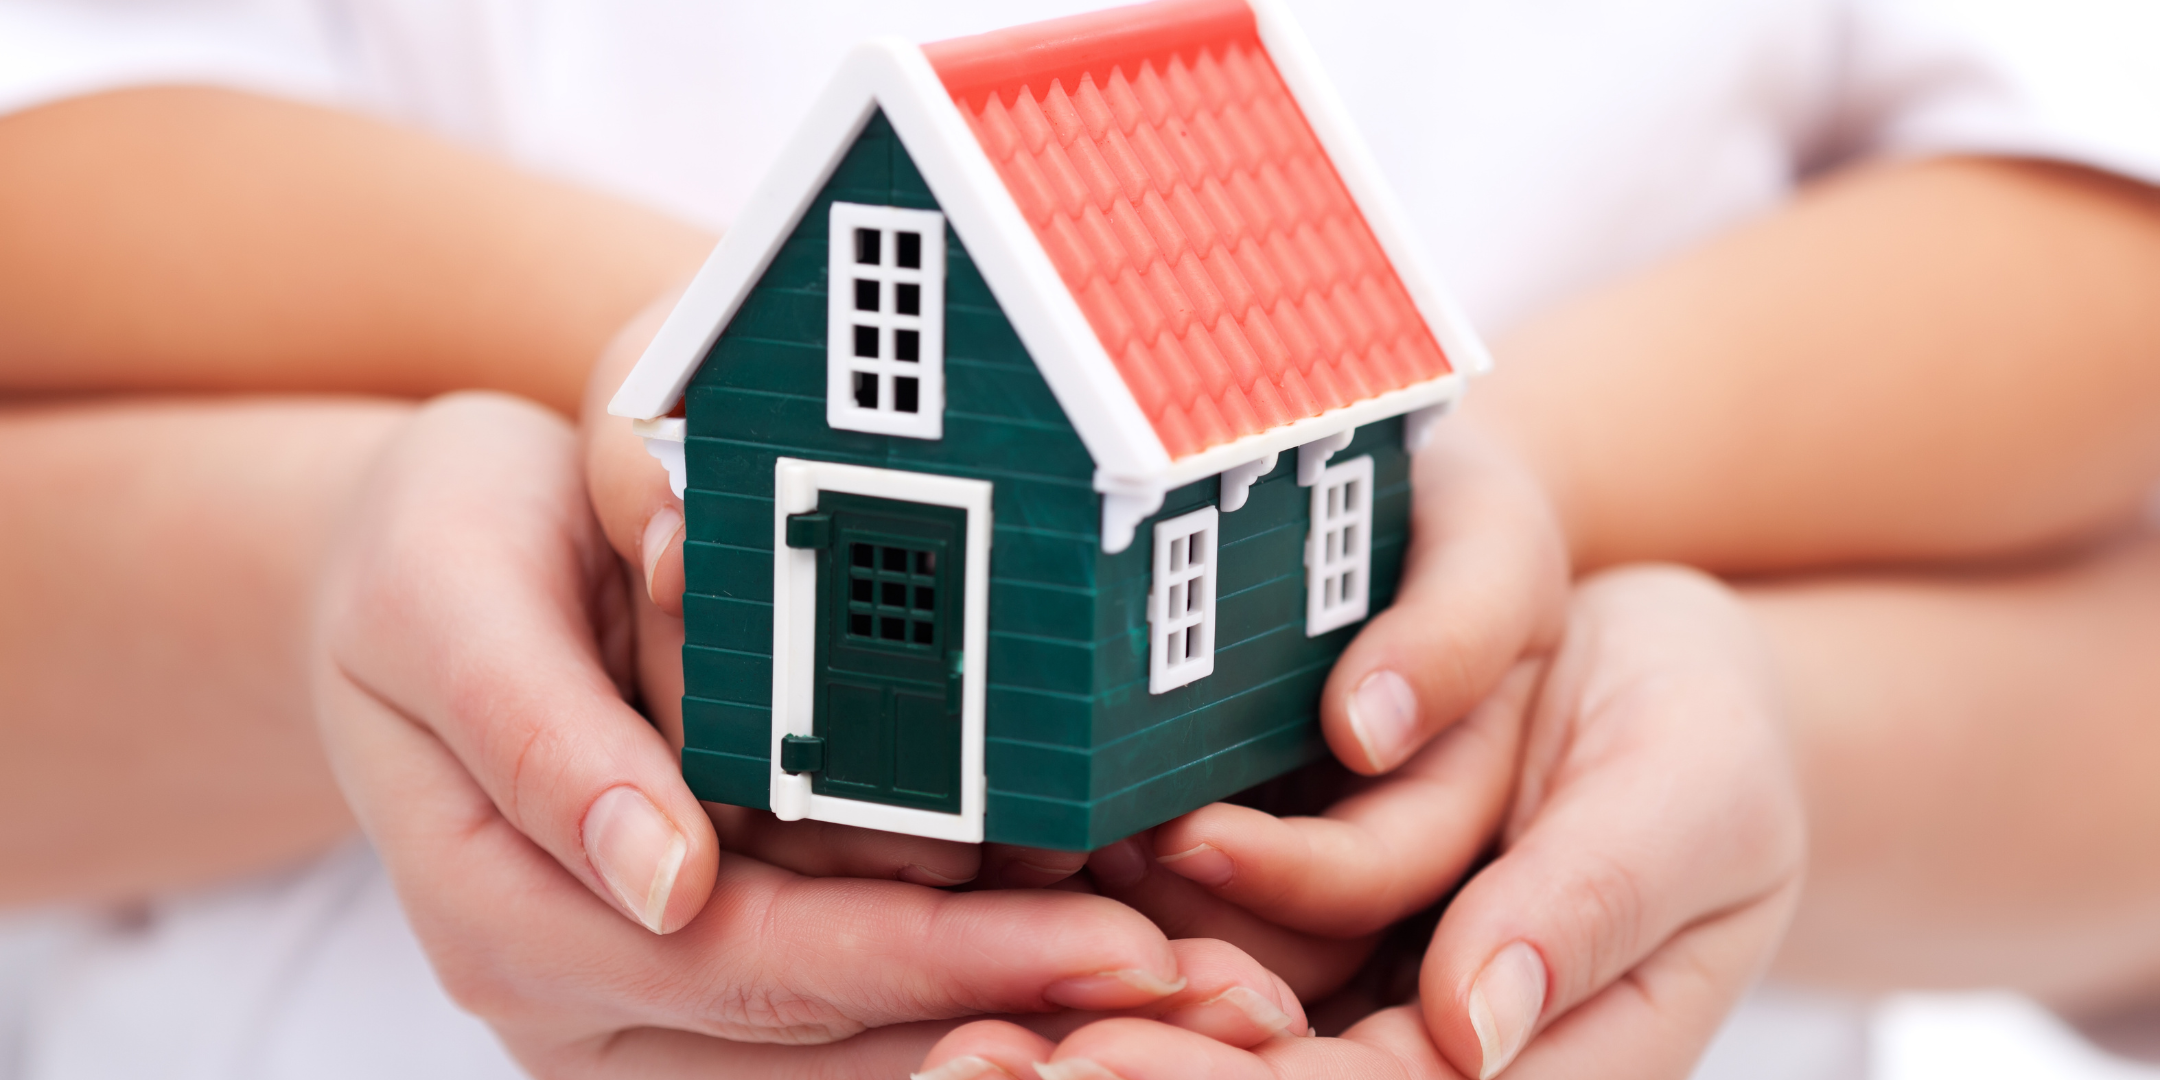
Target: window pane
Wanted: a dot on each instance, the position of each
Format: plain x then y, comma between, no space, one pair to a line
866,246
911,250
896,559
860,555
865,390
866,294
907,345
907,298
895,594
866,341
906,394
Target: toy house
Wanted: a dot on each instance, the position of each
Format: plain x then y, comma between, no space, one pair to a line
1043,429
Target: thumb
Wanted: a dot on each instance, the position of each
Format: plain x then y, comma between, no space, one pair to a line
628,486
1486,582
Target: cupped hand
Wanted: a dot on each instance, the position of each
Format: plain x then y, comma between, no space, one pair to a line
1650,858
471,675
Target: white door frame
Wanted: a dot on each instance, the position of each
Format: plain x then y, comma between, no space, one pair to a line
796,484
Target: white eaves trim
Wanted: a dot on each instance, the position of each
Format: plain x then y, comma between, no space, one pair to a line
894,75
1360,171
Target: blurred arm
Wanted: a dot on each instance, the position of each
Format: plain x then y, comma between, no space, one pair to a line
196,239
1947,359
156,566
1979,757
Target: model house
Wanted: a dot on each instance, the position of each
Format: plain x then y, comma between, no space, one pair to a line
1043,428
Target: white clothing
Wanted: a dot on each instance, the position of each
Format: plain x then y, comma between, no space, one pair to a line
1540,146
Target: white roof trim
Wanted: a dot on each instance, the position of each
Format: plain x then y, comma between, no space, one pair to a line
1360,171
1216,459
894,75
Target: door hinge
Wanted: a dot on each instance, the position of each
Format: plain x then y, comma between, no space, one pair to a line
809,531
802,753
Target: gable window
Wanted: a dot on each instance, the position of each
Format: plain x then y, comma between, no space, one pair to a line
1338,551
885,321
1181,601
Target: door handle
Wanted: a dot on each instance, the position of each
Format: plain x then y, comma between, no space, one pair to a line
955,679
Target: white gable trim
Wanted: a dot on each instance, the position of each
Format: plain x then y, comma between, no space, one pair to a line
894,75
1360,172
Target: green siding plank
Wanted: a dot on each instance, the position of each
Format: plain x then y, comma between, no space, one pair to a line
728,727
724,675
736,625
1032,768
1032,663
728,778
1026,607
725,570
1012,712
1032,821
721,517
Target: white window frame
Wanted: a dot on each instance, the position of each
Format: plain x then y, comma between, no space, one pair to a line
796,487
842,366
1181,600
1338,549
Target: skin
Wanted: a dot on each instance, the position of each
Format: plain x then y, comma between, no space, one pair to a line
1966,834
160,555
1851,284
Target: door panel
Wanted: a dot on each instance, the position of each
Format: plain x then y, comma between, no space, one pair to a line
888,638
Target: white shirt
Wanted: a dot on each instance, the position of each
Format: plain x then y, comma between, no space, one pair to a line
1540,146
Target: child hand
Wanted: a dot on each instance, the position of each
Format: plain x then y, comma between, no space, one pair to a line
1650,857
470,659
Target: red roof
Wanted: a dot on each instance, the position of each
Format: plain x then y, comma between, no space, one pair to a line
1188,206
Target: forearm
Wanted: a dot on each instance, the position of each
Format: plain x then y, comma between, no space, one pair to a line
198,239
1949,359
1980,760
156,565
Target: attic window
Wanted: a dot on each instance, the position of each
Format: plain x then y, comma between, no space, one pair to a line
1181,601
885,321
1338,551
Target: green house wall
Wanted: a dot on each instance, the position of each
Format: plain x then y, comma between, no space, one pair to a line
1077,752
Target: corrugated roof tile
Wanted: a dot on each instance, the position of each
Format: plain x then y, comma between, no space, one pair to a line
1182,197
1058,111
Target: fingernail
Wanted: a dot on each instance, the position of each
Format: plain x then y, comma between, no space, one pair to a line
1204,863
637,851
963,1068
660,531
1121,989
1246,1002
1119,866
1383,716
1073,1069
917,874
1505,1001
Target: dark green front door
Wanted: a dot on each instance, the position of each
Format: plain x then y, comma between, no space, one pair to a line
888,651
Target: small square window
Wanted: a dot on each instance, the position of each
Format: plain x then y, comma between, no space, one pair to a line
885,321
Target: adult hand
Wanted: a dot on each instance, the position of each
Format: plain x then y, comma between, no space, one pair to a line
471,663
1650,859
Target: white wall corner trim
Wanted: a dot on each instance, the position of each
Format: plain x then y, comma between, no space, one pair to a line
1417,425
796,487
